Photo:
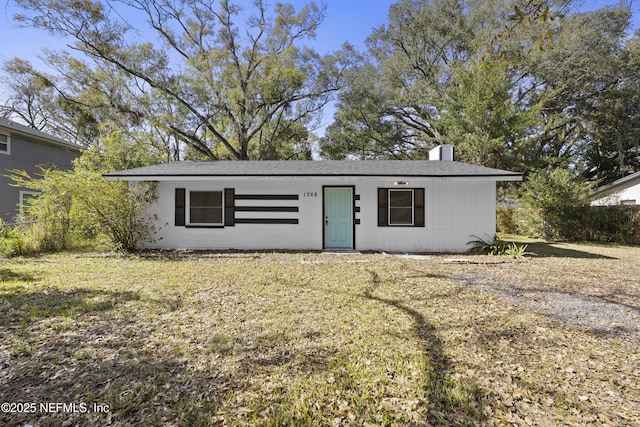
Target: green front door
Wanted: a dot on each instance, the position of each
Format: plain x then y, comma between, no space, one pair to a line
338,218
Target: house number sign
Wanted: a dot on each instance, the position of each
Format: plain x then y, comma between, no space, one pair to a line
310,194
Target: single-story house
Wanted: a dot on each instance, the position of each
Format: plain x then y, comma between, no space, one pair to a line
624,191
25,148
390,205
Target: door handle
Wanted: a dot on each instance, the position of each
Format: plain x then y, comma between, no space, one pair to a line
326,220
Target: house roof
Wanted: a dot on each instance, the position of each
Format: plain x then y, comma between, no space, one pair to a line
17,128
618,185
400,168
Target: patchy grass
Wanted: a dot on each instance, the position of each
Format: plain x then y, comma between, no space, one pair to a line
310,339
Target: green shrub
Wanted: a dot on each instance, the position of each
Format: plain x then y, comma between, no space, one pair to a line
605,224
506,220
620,224
497,246
76,205
11,241
116,209
554,195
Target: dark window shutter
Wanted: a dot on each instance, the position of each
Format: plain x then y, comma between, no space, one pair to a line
418,208
229,206
383,209
180,207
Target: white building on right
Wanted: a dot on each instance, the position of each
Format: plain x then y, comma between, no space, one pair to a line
625,191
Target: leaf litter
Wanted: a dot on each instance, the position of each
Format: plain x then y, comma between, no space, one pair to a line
307,339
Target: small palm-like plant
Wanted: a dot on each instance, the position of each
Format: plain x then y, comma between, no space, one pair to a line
496,246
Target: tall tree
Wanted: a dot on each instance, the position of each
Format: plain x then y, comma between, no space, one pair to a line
408,63
216,84
613,122
414,76
585,69
92,107
364,126
28,95
545,93
485,120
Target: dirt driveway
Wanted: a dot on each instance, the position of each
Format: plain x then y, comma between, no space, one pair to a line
594,287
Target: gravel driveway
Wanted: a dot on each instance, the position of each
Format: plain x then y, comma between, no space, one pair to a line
611,320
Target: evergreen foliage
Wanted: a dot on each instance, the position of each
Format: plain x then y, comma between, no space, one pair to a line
553,195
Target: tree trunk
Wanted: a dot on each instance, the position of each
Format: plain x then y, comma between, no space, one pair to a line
620,152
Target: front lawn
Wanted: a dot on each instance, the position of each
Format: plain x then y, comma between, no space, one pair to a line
309,339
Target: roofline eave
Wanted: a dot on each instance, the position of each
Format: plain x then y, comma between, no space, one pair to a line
616,186
185,177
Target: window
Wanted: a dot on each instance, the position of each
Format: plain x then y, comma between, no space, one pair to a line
5,143
629,202
400,207
205,207
26,200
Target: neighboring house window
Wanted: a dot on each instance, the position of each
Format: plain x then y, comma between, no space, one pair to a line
628,202
401,207
5,143
205,207
26,200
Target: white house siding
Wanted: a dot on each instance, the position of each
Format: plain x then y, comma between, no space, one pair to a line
628,194
455,209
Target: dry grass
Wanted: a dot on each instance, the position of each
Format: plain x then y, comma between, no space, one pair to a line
311,339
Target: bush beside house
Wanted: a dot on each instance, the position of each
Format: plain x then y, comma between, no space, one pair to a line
615,224
77,209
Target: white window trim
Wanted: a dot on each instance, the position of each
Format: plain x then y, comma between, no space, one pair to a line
8,150
188,208
21,200
413,207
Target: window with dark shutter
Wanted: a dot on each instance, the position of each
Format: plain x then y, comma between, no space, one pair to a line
204,209
401,207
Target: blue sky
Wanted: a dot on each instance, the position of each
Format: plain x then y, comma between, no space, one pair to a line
347,20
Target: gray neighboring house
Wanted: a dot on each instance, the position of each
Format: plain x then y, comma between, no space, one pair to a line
25,148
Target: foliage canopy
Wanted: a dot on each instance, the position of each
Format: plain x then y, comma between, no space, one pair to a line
546,93
222,81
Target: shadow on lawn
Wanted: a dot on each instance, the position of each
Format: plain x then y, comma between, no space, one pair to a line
29,304
549,250
10,275
83,346
137,386
53,302
451,401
